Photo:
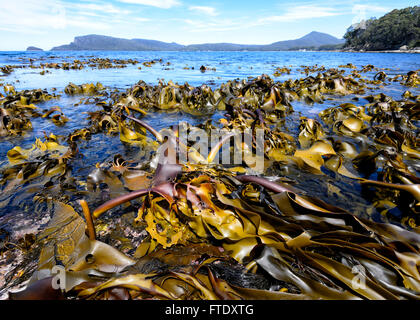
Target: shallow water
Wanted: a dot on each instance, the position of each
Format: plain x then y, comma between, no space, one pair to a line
228,65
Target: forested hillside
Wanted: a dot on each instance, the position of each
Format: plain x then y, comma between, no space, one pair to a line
396,29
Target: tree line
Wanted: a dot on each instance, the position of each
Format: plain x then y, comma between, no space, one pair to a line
395,29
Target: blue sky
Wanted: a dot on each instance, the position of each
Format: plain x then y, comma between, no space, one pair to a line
47,23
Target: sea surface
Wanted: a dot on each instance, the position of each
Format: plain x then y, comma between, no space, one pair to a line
229,65
179,67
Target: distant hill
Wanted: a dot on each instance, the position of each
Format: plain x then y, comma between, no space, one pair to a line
33,49
94,42
396,29
311,40
158,45
218,47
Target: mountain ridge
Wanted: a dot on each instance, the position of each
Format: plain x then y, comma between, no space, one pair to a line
93,42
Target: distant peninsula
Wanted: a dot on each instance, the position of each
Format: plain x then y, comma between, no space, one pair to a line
33,49
312,41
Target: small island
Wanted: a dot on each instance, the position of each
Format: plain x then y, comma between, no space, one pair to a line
31,48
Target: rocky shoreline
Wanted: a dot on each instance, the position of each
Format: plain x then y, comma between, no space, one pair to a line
383,51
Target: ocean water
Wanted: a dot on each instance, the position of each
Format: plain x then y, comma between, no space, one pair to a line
229,65
177,67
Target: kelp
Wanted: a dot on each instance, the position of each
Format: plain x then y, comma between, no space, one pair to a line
310,131
86,89
76,64
249,94
56,116
292,229
17,108
45,165
280,71
166,228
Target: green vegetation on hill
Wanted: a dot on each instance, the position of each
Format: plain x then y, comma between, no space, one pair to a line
395,29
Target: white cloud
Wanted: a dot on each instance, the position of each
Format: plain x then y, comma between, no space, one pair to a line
41,16
94,8
302,13
139,19
104,14
87,24
213,26
164,4
29,15
210,11
362,12
370,8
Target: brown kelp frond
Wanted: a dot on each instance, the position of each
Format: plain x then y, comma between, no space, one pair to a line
157,135
213,152
117,201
